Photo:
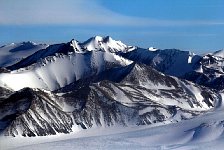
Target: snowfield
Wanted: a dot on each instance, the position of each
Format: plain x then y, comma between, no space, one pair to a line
203,132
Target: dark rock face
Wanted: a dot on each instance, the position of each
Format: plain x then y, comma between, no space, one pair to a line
4,70
212,74
141,93
142,97
4,93
217,83
33,113
176,63
102,111
15,105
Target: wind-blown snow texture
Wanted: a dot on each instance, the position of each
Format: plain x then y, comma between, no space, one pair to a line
79,87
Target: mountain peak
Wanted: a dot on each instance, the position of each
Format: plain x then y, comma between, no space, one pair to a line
28,43
23,46
76,46
98,38
104,43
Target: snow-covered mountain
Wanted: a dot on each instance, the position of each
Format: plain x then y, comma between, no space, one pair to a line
92,45
219,53
169,61
143,97
206,70
15,52
101,83
102,52
202,132
210,73
61,64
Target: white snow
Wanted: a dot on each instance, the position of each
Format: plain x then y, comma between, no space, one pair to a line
197,93
8,58
60,70
189,59
152,49
120,96
56,72
203,132
219,53
106,44
76,46
17,81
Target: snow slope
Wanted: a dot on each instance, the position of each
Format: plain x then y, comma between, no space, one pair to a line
97,43
59,71
105,43
99,88
219,53
204,132
169,61
69,56
143,96
13,53
206,70
60,65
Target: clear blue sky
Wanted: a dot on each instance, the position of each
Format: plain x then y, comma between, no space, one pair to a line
196,25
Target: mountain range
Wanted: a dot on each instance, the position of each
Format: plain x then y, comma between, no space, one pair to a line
101,83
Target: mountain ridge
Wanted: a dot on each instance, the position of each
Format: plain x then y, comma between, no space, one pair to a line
101,83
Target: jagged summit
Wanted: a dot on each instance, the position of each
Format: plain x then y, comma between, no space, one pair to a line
92,45
61,64
104,43
76,46
101,83
100,50
183,64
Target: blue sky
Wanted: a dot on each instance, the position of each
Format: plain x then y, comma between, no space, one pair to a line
196,25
